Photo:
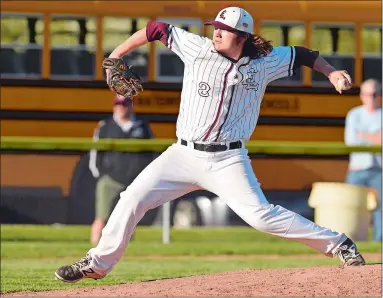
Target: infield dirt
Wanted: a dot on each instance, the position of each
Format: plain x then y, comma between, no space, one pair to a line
304,282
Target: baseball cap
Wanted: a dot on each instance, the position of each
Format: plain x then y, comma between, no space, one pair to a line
233,19
121,100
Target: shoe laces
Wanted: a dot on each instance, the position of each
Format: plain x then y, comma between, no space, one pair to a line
347,252
84,262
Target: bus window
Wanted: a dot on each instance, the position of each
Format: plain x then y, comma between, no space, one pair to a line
117,30
272,31
169,67
21,44
336,44
372,52
71,56
285,34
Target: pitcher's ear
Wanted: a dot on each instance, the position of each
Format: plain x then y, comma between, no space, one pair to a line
243,36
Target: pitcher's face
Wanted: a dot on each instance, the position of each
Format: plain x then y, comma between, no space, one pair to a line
224,40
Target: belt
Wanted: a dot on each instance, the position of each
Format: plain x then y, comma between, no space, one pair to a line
214,147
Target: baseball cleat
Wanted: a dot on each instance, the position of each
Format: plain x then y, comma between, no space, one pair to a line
349,255
77,271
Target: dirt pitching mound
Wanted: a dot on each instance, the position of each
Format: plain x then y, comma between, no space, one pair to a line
314,281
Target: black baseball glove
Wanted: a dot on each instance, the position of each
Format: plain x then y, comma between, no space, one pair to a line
122,79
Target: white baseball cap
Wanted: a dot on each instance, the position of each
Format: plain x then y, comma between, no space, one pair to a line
233,19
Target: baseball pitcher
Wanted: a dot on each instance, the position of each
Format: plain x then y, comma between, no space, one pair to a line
225,78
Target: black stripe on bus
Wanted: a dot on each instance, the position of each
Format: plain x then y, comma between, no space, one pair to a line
162,118
38,83
78,116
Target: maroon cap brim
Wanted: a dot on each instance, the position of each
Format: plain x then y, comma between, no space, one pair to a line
219,25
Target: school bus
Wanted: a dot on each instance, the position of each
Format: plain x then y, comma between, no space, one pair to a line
53,83
51,54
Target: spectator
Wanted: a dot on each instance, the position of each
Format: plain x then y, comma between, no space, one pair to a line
364,127
114,170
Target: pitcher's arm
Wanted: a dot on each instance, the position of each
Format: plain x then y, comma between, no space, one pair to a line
135,41
315,61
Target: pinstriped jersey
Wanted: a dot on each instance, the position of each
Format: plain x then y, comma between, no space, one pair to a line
220,99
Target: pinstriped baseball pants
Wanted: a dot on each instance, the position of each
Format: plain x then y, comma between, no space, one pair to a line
228,174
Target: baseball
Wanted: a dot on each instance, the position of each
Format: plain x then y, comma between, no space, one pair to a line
343,84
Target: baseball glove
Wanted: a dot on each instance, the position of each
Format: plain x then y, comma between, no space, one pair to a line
122,79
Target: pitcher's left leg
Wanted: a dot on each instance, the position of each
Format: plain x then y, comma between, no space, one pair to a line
233,180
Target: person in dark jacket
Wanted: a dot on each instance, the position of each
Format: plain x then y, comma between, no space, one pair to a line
115,170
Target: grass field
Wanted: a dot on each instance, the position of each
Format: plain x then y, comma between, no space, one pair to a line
31,254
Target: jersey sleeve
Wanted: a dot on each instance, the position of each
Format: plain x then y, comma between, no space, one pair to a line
183,43
280,63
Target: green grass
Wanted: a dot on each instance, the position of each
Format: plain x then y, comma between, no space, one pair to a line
20,250
31,254
142,234
38,276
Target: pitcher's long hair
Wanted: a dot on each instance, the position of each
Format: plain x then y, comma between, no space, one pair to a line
255,46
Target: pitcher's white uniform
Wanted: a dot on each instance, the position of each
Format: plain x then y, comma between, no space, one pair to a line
220,105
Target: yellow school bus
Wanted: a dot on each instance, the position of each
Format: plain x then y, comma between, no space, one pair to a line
53,85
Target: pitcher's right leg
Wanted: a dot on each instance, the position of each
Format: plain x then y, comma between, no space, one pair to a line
168,177
233,180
